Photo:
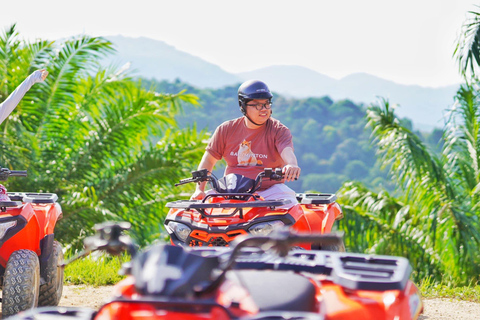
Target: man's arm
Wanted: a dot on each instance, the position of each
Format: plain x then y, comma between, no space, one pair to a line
291,170
208,162
14,98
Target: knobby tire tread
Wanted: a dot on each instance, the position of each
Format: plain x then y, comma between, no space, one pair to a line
51,290
21,274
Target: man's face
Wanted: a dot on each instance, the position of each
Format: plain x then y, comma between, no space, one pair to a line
259,116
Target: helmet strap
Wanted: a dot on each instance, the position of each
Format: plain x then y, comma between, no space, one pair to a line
252,121
242,108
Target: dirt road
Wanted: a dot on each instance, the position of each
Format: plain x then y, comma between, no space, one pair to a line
435,309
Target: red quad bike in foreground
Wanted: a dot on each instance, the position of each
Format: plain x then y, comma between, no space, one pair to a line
29,255
256,278
236,209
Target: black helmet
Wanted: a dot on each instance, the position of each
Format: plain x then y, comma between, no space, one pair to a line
253,89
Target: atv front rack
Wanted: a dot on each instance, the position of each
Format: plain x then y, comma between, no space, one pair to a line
31,197
27,197
5,204
200,205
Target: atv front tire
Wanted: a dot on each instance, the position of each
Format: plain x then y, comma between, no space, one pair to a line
331,247
51,290
21,283
334,247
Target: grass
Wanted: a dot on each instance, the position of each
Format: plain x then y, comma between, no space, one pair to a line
445,289
96,269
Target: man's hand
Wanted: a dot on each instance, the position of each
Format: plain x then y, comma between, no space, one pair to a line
44,74
291,172
198,195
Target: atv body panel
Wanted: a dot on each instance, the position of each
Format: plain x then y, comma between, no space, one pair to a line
220,218
27,224
35,216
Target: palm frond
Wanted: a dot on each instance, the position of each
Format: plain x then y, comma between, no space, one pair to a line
467,50
409,159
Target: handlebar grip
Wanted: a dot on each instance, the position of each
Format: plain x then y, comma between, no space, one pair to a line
180,183
275,176
185,181
18,173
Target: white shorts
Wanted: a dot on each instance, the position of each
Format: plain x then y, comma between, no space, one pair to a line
280,191
275,192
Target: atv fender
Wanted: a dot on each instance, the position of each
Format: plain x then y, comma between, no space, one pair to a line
321,217
26,235
46,246
48,215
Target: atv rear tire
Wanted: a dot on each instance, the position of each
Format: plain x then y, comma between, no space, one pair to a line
51,290
21,283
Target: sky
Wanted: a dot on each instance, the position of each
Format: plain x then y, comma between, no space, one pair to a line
408,42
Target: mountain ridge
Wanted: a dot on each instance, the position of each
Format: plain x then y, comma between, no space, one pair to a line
158,60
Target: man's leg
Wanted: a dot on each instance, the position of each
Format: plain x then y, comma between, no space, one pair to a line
280,191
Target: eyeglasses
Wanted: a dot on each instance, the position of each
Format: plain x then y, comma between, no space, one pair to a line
260,106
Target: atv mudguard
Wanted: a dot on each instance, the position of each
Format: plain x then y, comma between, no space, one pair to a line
35,220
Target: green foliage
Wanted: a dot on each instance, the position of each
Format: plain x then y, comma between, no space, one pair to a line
98,270
327,135
467,50
433,217
109,148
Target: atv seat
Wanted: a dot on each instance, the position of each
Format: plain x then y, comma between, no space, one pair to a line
277,290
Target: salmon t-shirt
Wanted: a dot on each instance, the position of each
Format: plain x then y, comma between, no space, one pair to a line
249,151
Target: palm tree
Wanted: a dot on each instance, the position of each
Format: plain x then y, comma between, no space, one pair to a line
467,50
109,148
433,217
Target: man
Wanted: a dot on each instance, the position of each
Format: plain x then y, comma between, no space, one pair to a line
253,142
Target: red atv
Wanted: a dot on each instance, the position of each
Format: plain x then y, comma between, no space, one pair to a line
29,255
256,278
236,209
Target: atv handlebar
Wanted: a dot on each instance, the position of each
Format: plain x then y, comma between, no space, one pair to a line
109,237
197,176
202,175
5,173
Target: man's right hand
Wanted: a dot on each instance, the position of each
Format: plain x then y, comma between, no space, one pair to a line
198,195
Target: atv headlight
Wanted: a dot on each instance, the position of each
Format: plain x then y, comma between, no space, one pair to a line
5,226
180,230
265,228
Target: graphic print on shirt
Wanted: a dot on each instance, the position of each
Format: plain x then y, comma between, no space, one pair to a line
245,155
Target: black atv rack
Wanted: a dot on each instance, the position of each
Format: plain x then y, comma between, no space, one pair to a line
31,197
5,204
200,205
350,270
316,198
